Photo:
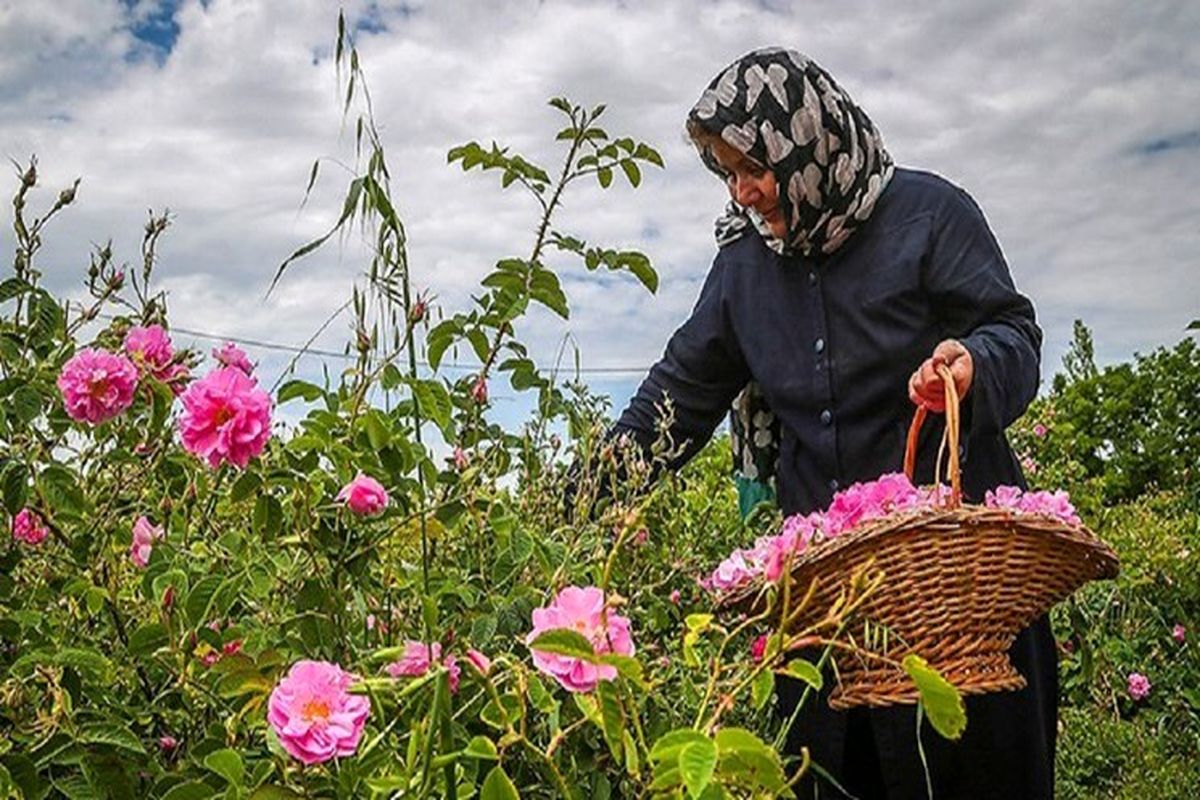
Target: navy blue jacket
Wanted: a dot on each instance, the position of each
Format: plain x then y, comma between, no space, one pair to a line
832,345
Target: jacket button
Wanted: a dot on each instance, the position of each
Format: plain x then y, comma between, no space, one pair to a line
833,484
819,345
826,417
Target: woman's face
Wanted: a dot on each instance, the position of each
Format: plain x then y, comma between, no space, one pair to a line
751,185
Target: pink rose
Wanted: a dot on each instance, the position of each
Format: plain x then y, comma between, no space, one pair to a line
364,495
1008,497
1039,430
167,743
27,527
583,611
1179,633
460,459
150,348
144,536
1139,686
479,661
479,391
226,417
97,385
733,572
417,659
675,596
757,648
314,715
230,355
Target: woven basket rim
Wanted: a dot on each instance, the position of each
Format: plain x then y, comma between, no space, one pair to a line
962,515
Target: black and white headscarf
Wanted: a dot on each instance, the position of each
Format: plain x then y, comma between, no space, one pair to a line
779,108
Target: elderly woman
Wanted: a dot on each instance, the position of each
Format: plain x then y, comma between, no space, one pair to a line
841,281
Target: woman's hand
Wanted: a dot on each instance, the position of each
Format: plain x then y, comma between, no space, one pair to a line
925,387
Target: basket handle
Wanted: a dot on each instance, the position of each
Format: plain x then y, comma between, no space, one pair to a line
949,439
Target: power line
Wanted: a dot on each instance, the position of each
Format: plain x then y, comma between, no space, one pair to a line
291,348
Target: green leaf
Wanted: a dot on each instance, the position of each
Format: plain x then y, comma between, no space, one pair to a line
58,485
268,516
639,265
697,761
628,667
669,745
379,432
648,153
25,775
697,622
246,485
434,403
544,287
509,710
761,688
612,717
633,764
632,172
85,660
564,642
26,404
292,389
147,639
200,598
497,786
604,175
942,702
479,343
13,287
14,482
274,793
228,764
192,790
749,760
483,748
482,630
1194,325
111,734
439,339
807,672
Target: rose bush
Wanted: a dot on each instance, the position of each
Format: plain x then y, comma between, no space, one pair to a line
197,601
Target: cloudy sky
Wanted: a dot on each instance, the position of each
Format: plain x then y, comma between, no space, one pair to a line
1075,125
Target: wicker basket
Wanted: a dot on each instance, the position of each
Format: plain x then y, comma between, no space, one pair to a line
960,583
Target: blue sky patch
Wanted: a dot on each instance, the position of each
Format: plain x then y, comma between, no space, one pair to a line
157,29
1181,141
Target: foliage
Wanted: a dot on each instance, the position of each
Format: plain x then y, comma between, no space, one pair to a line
1113,434
1124,440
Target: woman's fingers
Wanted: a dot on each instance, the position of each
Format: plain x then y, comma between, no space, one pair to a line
926,388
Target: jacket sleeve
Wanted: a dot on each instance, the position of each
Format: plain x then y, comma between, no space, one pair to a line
977,303
700,373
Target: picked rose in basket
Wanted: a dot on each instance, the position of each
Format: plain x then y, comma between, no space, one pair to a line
960,580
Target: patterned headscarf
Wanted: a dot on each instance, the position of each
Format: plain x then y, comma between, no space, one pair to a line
779,108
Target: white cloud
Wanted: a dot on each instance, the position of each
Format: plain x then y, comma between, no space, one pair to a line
1047,114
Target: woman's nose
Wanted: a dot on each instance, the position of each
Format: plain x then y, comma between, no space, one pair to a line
745,191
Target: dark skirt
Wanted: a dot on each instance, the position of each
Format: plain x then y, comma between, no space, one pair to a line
1006,752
